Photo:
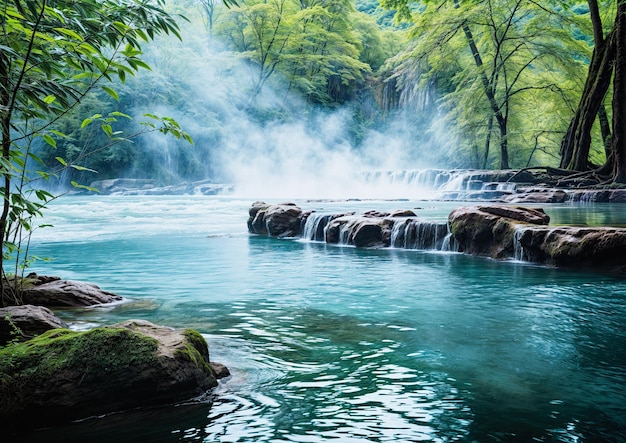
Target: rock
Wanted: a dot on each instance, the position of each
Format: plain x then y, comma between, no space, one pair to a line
56,293
490,230
570,246
525,215
524,233
119,185
538,195
367,235
25,322
403,213
64,375
618,196
219,370
281,220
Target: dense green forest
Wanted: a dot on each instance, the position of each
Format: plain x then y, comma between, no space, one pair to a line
283,87
478,84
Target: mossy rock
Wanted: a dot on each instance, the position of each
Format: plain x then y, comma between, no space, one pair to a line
65,375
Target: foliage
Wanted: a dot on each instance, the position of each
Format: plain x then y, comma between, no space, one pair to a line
313,46
490,61
53,54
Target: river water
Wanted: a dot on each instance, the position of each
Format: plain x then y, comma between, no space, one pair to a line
331,343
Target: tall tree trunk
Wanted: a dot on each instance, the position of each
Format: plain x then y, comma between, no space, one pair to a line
488,141
488,89
576,143
605,128
504,146
618,141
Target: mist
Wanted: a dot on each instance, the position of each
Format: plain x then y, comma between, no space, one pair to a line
277,146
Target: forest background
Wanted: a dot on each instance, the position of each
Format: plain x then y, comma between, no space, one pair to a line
449,84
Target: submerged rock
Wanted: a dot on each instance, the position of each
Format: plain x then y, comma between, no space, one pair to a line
64,375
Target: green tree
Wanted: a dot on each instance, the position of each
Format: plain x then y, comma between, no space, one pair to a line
496,55
310,44
53,53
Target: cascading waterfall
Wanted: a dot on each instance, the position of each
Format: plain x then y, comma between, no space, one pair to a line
406,232
314,227
518,249
416,234
447,184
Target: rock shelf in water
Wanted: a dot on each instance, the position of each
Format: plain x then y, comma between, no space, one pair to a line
65,375
496,231
51,374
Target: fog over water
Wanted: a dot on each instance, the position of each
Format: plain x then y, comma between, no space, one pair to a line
277,146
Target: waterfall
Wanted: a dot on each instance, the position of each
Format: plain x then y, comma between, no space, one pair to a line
447,184
416,234
401,232
450,244
518,249
314,228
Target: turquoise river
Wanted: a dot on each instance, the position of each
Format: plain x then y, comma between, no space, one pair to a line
337,344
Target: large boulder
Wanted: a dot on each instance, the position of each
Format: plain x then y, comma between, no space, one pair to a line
490,230
24,322
64,375
362,231
280,220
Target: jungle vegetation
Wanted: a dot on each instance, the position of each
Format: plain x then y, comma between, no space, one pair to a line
515,83
475,84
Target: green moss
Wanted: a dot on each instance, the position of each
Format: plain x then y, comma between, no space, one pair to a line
100,350
196,349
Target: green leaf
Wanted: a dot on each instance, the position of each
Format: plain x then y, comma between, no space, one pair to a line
50,140
61,160
121,114
69,33
82,168
111,92
79,186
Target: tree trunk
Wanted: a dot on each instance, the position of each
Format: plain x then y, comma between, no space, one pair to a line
618,141
576,143
489,92
504,146
488,141
605,129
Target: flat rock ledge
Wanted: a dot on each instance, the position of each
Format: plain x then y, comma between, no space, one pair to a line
524,234
53,292
64,375
499,231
